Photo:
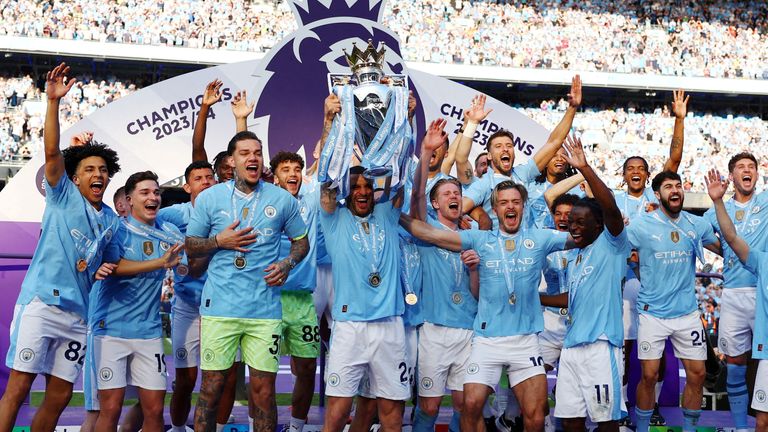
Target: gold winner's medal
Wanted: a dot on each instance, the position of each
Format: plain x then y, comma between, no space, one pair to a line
509,244
240,262
411,299
182,270
82,265
739,215
374,279
512,299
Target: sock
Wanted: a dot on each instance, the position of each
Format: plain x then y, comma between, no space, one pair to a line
487,410
219,427
297,425
657,390
512,409
423,422
624,401
455,422
690,418
643,419
182,428
738,397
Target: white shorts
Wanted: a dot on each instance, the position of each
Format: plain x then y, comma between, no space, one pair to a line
760,398
90,390
376,348
737,320
185,334
686,333
46,340
629,296
551,339
589,382
411,356
443,359
138,362
323,294
520,354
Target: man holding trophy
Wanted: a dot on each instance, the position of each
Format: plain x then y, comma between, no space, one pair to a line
367,151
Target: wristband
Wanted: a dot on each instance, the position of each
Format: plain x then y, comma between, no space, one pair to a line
469,131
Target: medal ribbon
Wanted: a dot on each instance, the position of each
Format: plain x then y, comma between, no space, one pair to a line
250,204
90,248
573,283
508,279
339,146
373,257
404,260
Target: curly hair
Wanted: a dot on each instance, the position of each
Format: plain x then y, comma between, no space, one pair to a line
74,155
284,156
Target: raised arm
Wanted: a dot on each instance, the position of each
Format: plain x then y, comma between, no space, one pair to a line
331,107
328,198
680,109
558,134
471,259
475,115
575,156
56,86
433,139
241,109
716,187
450,155
562,187
423,231
211,96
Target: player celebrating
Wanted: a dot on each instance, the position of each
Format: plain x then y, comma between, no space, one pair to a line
669,241
126,329
230,315
737,307
589,375
754,260
509,311
48,332
301,334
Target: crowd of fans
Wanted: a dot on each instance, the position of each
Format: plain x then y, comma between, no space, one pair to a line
708,38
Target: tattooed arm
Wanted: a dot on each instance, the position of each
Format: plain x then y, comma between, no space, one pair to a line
680,109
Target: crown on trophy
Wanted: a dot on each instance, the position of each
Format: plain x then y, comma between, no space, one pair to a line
369,60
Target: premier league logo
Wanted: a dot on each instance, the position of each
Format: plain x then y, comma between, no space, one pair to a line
295,75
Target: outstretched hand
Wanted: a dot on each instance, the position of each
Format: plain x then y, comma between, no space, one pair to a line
574,97
680,103
435,136
81,139
717,185
476,112
172,257
575,152
57,85
212,93
240,106
331,106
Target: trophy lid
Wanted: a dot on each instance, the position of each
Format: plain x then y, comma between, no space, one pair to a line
366,59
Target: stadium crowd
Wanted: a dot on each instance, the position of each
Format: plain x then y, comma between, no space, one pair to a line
725,39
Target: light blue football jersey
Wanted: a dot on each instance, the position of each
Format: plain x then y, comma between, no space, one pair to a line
480,191
594,284
411,279
751,221
511,264
555,274
448,300
185,287
71,230
304,276
129,307
757,262
537,204
356,255
632,207
271,211
668,251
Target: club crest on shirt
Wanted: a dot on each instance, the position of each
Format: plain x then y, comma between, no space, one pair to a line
244,213
756,209
148,247
164,246
509,244
739,215
564,262
270,211
675,236
108,235
528,243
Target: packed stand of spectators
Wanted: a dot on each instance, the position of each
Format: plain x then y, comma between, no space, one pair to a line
21,124
618,132
708,38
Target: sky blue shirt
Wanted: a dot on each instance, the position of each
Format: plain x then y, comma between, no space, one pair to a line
495,315
304,276
271,211
632,207
539,210
411,273
757,262
447,298
594,282
668,252
67,232
480,191
352,258
555,274
129,307
751,222
185,287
